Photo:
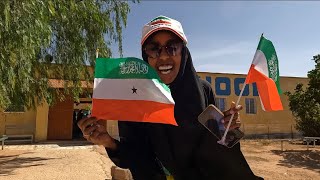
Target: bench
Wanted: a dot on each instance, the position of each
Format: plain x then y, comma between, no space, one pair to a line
11,137
20,138
4,137
310,139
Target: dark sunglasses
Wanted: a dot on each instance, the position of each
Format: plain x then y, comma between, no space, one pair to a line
173,48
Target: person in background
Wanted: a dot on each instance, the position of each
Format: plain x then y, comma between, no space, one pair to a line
160,151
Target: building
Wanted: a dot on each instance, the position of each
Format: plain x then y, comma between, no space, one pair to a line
58,122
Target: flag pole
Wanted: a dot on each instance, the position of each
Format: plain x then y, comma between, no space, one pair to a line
222,141
97,53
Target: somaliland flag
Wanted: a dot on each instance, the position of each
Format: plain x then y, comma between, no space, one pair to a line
128,89
264,71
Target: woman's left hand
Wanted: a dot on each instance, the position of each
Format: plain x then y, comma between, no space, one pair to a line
236,123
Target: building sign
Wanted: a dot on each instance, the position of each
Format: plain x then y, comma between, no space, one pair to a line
223,87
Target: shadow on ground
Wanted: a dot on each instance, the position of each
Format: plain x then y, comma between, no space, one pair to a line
8,164
300,158
80,142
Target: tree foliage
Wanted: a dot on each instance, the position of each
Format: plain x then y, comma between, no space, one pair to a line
305,103
43,39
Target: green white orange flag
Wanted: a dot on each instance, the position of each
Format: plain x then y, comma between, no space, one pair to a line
128,89
264,71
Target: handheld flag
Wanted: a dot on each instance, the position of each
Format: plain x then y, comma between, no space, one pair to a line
128,89
264,71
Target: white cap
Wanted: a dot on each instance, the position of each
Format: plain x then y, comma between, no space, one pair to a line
163,23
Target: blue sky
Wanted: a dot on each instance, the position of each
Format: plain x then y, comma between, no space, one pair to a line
223,35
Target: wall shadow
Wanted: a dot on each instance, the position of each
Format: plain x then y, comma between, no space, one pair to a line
8,164
300,158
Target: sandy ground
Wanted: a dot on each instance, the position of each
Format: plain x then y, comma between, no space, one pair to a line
50,162
267,160
84,162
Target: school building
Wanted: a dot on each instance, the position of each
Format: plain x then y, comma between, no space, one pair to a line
58,122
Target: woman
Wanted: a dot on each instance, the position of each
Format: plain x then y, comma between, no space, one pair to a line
186,151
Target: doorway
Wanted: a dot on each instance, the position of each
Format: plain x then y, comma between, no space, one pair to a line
60,120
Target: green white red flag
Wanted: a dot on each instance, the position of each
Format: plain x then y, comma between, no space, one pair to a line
128,89
264,71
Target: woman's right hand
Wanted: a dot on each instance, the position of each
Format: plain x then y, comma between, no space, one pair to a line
236,123
94,131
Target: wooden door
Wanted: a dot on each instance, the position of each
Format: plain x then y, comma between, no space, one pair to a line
60,120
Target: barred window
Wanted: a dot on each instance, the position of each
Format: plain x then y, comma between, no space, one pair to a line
251,107
221,103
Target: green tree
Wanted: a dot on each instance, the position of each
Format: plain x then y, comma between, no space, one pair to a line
305,103
43,39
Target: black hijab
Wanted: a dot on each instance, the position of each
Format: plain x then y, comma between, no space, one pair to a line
188,150
174,146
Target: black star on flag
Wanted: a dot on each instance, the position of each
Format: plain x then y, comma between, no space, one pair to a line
134,90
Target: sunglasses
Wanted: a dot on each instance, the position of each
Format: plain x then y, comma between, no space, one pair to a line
172,48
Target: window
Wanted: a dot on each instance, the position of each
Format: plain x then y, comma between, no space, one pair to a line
251,107
15,108
208,78
221,103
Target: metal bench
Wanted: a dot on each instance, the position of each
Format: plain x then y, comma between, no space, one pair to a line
11,137
3,138
20,138
310,139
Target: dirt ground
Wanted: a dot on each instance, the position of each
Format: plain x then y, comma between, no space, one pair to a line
295,162
53,162
84,162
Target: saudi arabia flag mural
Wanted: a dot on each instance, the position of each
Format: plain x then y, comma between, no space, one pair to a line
128,89
264,71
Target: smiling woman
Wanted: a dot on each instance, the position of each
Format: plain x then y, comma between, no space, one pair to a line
154,151
166,63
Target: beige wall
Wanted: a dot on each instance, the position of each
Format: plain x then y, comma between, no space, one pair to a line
42,122
32,121
2,123
17,122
